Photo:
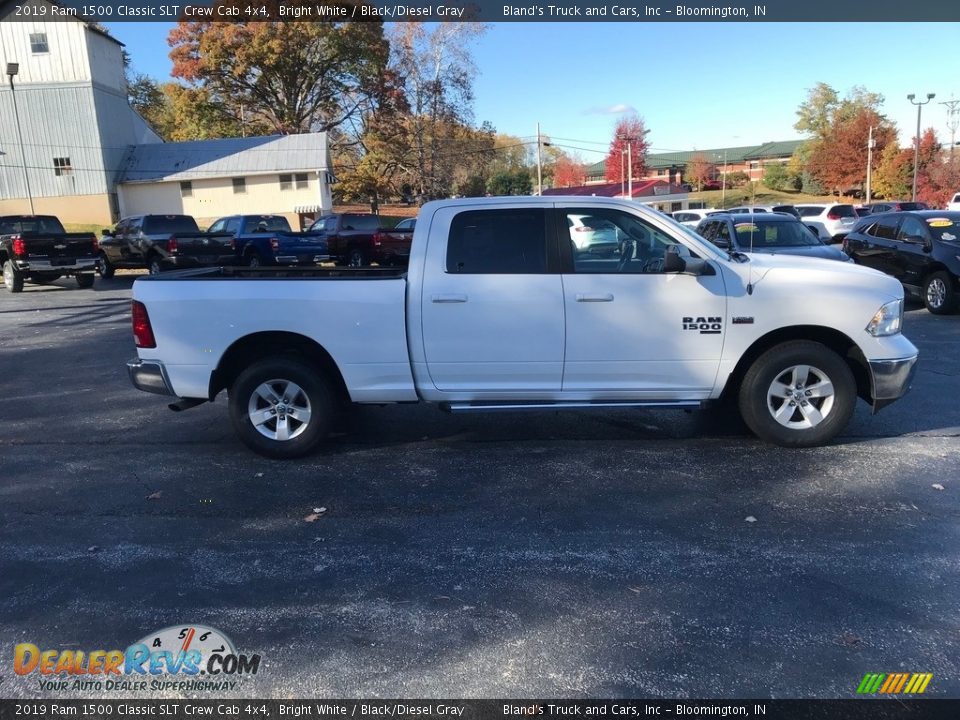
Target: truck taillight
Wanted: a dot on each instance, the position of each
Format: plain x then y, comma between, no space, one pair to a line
19,246
377,239
274,244
96,244
172,245
142,332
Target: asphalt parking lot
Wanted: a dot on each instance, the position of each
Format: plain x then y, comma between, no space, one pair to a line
511,555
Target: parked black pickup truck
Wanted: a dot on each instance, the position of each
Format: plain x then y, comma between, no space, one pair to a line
162,242
37,248
358,239
268,240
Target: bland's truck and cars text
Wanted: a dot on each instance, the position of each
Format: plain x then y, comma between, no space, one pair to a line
500,310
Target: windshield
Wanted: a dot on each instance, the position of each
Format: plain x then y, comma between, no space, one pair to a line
267,223
691,233
767,234
164,224
37,224
945,229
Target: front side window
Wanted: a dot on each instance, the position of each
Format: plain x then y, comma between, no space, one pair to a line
38,43
612,241
509,241
886,228
911,228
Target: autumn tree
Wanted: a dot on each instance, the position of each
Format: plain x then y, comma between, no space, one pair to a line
839,159
939,183
511,182
435,71
893,175
290,76
699,171
630,130
568,170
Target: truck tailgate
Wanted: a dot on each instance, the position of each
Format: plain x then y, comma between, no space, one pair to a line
59,250
360,323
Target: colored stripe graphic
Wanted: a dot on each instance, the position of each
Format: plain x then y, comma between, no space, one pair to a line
894,683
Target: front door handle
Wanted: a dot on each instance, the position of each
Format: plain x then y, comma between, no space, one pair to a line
594,298
448,298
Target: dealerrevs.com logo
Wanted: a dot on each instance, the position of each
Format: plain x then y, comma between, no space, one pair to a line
170,659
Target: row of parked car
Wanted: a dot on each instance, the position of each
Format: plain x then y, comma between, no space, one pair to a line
918,246
37,249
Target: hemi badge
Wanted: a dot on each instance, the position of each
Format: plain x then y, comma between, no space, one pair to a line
742,321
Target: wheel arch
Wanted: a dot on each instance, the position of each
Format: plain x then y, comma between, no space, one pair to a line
835,340
938,266
275,344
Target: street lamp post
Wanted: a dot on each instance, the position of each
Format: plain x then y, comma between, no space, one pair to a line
916,148
12,70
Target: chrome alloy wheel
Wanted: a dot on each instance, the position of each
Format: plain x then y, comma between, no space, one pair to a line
279,410
800,397
936,293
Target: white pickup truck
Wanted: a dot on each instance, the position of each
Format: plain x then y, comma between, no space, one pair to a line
500,310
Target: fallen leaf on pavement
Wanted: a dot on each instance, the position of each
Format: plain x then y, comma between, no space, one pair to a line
750,518
155,496
93,548
937,486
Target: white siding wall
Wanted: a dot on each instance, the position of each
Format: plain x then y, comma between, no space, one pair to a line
67,60
214,197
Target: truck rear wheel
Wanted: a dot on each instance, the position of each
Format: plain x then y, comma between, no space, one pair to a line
11,278
85,280
281,408
798,394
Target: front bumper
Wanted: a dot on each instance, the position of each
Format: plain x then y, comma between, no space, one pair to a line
890,379
149,376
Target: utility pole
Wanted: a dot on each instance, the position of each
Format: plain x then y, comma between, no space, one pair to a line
952,122
630,168
539,165
723,186
12,70
869,161
623,172
916,148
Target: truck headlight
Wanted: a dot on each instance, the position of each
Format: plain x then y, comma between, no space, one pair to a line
887,320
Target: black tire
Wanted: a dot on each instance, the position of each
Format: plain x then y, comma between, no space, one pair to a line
12,278
312,393
85,280
105,267
356,259
153,265
254,260
939,295
782,366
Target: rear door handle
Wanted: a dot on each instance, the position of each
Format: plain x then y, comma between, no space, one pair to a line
594,298
448,298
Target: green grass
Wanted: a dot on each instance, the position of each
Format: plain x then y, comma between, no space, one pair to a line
761,195
84,227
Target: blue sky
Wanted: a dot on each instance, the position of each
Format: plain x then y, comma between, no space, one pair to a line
697,85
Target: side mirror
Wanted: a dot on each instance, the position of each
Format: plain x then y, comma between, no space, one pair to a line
674,263
915,239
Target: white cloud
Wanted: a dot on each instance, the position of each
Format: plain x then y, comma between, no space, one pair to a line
618,109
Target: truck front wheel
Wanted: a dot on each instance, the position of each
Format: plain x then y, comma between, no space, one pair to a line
281,408
798,394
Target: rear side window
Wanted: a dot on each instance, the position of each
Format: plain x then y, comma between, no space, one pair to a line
163,224
498,242
361,222
886,228
808,211
844,211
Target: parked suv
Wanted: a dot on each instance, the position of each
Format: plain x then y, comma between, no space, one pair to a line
954,203
832,222
774,233
894,206
920,249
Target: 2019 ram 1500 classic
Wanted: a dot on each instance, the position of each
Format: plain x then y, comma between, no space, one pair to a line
268,240
37,248
498,310
162,242
358,239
